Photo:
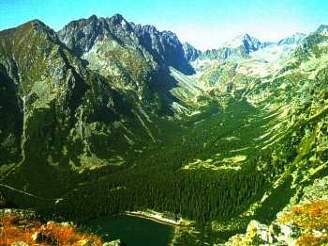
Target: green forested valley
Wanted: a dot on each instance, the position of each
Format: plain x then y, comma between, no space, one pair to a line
106,116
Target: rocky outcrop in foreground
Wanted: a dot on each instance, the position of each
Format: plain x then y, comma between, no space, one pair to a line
303,223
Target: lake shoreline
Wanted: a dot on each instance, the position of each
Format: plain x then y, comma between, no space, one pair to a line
133,229
154,216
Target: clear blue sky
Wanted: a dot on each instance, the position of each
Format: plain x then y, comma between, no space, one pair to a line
204,23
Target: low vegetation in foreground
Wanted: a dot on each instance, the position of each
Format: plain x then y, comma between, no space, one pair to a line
311,219
17,229
301,225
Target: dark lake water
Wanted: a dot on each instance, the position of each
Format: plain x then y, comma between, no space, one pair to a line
133,231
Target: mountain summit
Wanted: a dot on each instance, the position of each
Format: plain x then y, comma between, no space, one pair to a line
239,47
165,47
191,53
293,39
322,29
244,41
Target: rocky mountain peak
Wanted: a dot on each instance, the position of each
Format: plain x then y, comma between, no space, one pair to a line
164,46
322,29
245,40
93,18
118,19
36,25
239,47
32,27
293,39
191,53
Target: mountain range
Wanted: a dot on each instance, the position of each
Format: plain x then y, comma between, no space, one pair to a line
106,116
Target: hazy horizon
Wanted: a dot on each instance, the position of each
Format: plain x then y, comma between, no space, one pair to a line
204,24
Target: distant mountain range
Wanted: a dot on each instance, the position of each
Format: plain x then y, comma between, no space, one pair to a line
243,45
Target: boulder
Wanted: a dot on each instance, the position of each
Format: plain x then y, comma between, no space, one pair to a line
117,242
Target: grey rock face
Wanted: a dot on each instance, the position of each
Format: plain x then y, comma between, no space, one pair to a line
250,43
165,47
239,47
293,39
191,53
322,29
